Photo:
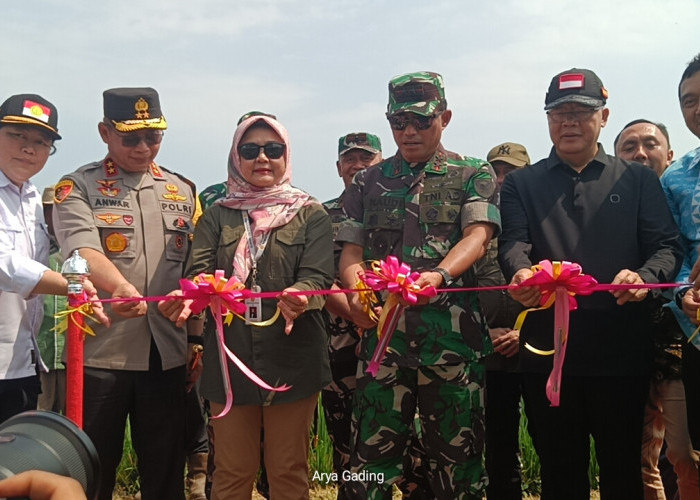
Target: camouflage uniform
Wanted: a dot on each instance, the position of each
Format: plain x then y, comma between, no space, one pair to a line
337,396
417,212
213,193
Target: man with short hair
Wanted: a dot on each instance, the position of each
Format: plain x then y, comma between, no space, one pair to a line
436,212
681,183
648,143
28,129
583,206
131,219
356,151
502,377
645,142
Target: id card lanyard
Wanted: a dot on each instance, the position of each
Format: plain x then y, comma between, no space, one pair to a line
253,311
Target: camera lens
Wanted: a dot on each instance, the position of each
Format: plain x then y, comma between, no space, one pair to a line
47,441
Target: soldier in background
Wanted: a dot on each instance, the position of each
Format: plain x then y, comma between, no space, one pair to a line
356,151
502,376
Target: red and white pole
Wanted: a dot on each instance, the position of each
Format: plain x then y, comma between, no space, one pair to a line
75,270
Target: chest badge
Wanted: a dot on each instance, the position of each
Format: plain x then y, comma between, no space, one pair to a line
109,218
107,188
172,195
116,242
128,219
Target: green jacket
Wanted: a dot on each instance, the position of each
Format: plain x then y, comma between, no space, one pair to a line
300,255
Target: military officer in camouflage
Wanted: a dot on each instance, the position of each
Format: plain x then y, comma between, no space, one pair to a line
436,212
131,220
356,151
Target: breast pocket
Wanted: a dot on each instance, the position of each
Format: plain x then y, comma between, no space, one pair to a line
10,236
228,242
286,253
177,236
116,236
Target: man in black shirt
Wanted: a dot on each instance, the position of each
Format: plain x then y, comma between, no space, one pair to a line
609,216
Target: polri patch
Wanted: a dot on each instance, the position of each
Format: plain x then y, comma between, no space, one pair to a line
62,190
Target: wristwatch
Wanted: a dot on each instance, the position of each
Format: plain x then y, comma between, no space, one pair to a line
446,278
680,294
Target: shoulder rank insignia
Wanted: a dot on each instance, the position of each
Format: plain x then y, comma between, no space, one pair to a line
155,171
110,167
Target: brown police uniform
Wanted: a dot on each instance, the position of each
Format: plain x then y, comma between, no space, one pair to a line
142,223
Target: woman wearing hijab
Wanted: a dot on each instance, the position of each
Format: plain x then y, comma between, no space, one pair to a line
271,237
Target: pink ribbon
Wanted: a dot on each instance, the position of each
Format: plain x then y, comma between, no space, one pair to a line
558,282
398,279
224,299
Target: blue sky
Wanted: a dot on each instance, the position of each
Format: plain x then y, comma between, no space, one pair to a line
322,66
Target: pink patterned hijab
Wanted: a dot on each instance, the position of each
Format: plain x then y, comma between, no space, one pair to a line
268,207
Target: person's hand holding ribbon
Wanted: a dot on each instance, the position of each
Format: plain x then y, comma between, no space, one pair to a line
628,277
291,307
529,296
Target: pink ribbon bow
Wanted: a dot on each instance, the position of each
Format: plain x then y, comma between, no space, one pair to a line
398,279
558,282
225,299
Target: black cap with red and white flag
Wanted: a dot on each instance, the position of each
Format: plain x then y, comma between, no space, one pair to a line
581,86
30,109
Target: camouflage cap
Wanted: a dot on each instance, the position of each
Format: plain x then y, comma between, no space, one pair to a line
511,153
422,93
359,140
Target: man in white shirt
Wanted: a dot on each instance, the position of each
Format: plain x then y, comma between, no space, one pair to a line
28,129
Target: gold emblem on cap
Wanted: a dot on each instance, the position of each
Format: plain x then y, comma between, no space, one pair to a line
141,108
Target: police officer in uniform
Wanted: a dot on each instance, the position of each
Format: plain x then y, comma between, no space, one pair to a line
436,213
131,219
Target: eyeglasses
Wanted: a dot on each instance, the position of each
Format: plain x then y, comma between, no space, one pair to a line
578,116
23,141
131,139
419,122
250,150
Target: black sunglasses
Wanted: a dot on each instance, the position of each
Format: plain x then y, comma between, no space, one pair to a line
250,150
419,122
151,138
